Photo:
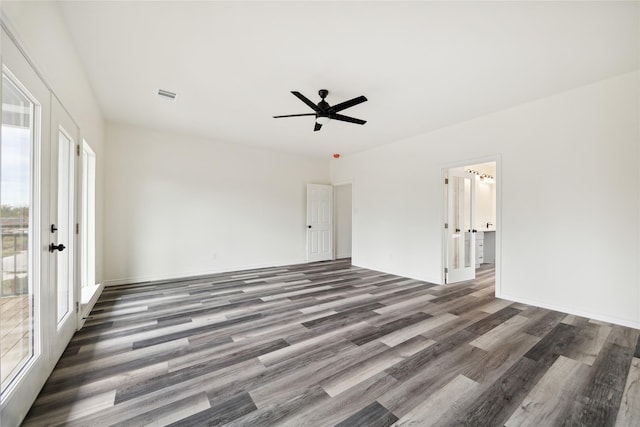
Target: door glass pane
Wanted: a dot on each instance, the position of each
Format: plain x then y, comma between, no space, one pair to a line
17,290
461,257
466,220
65,225
456,222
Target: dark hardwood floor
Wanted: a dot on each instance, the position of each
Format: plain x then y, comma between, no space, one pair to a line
330,344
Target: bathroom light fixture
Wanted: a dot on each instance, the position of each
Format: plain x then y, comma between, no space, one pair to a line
486,178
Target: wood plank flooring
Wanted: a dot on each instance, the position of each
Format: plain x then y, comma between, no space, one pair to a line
327,344
15,333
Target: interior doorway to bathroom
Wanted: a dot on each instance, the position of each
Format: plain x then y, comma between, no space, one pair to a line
471,220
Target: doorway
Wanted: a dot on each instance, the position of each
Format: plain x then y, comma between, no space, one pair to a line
329,221
319,222
343,196
471,226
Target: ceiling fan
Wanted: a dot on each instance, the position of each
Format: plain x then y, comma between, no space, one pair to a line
324,112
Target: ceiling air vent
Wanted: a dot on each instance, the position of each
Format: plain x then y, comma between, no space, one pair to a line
167,94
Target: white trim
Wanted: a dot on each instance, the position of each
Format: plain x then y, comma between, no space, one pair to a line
444,214
498,224
343,182
85,309
587,314
86,147
87,216
186,275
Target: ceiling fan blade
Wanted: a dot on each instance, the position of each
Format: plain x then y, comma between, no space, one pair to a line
306,100
347,119
295,115
347,104
317,127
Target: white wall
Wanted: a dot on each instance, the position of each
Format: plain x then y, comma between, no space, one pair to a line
342,196
569,187
41,31
178,205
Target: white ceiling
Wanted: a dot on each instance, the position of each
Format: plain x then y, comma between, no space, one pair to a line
423,65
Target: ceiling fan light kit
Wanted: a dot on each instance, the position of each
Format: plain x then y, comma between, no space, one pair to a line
322,120
325,112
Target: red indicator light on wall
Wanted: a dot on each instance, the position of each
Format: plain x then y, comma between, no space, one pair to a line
336,156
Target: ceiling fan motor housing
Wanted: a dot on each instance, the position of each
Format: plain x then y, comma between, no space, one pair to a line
323,105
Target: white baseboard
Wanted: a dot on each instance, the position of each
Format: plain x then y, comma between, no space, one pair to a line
85,309
595,316
186,275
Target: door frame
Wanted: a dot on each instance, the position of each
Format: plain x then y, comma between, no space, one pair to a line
497,158
87,232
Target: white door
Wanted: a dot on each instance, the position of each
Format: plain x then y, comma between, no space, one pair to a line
319,222
460,229
64,143
36,191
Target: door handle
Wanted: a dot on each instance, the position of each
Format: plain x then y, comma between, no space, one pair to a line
308,226
53,247
457,230
54,228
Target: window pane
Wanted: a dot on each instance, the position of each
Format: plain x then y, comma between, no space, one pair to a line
16,291
88,223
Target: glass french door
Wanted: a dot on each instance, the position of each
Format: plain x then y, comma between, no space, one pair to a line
19,291
460,231
62,242
37,199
